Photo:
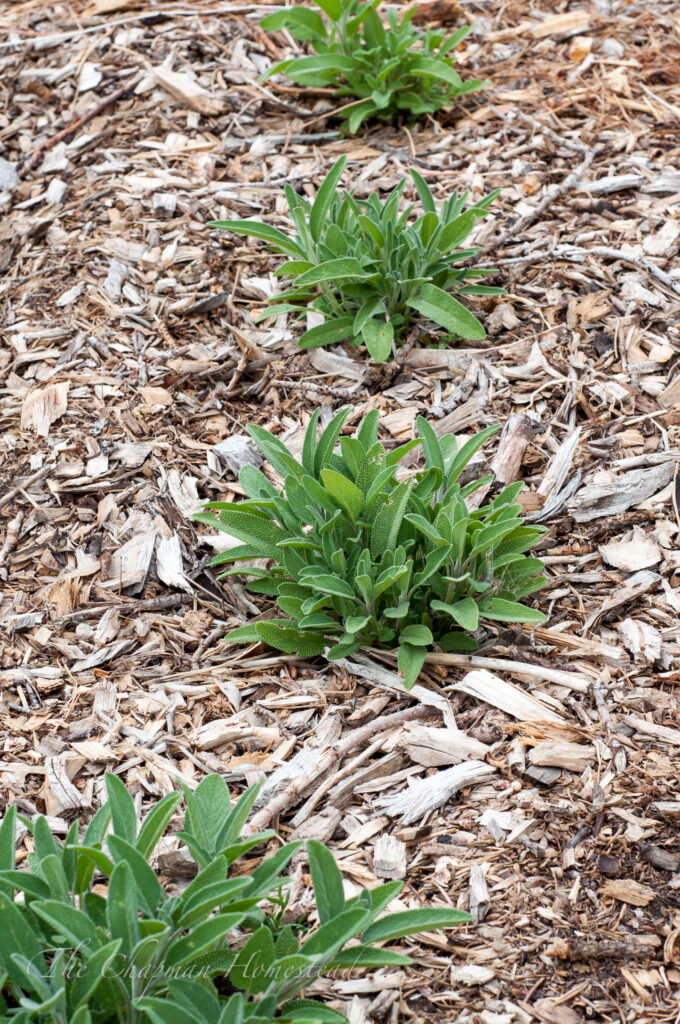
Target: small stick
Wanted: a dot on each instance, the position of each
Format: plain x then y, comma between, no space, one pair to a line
154,604
33,479
34,158
574,680
290,796
13,529
574,252
516,230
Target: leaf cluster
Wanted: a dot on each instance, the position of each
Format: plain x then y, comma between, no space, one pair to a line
368,267
391,68
128,952
363,558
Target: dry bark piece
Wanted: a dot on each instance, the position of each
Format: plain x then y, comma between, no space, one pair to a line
427,794
44,407
435,747
59,793
223,731
621,493
389,857
189,92
507,462
640,552
479,892
575,757
642,640
491,689
627,890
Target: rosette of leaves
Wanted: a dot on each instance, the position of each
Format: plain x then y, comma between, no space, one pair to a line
390,69
368,267
96,938
361,558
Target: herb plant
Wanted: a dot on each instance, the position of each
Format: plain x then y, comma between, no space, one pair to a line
361,558
369,268
391,69
127,952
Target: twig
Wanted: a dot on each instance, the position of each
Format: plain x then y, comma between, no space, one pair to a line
33,479
573,252
290,796
606,719
564,186
575,147
154,604
574,680
106,25
13,528
660,101
35,156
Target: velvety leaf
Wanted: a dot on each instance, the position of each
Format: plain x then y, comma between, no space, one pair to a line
342,490
465,612
411,922
410,660
332,332
327,881
418,635
510,611
447,311
378,337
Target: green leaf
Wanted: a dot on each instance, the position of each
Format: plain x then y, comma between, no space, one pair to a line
456,641
419,636
333,8
427,66
389,519
342,490
412,922
441,307
328,440
302,22
410,660
292,641
332,332
331,936
509,611
261,533
149,888
254,962
122,808
360,956
201,938
164,1011
324,199
299,1010
122,908
66,920
17,936
155,823
431,446
467,451
266,232
309,444
378,338
465,612
332,270
8,840
424,192
327,881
